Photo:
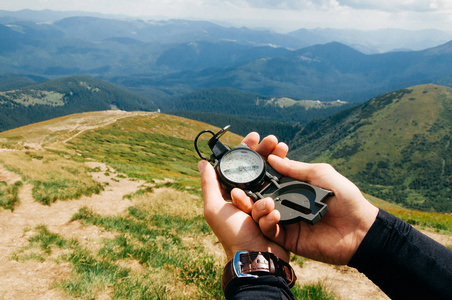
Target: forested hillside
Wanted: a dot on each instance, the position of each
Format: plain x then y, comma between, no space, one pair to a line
54,98
396,146
284,131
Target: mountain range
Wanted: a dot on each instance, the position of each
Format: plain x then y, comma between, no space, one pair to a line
159,59
179,31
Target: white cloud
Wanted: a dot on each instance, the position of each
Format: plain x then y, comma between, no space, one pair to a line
383,5
284,15
398,5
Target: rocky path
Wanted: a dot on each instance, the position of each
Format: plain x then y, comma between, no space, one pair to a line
32,279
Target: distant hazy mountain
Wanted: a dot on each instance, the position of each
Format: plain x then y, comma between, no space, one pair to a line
55,98
328,72
180,31
376,41
160,59
396,146
46,15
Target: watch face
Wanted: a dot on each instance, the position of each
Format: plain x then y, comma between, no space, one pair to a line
241,165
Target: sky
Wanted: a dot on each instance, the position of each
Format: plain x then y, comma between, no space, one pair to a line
278,15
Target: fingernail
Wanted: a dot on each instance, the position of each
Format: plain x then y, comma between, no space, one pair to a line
261,205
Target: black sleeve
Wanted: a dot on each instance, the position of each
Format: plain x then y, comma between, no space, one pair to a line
403,262
264,287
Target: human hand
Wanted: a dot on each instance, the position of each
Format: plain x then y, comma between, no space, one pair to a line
336,237
235,229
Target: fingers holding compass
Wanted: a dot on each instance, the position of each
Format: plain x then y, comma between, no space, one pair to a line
241,200
252,140
263,212
268,145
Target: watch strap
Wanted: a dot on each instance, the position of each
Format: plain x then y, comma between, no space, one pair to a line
249,264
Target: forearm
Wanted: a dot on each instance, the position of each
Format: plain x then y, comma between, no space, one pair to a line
265,287
403,262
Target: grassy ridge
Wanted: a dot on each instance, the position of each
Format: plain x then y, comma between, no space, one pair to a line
395,146
144,146
147,147
428,220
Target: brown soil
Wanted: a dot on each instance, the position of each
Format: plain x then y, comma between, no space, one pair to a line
34,280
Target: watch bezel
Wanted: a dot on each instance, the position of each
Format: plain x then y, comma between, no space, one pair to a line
237,265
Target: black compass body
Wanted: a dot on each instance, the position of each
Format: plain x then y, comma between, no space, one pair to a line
244,168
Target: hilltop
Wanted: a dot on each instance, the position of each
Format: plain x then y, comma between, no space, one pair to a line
92,204
29,103
395,146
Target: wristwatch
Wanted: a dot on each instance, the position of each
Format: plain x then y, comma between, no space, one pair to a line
253,264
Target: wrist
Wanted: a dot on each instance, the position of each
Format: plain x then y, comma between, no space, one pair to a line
368,218
278,251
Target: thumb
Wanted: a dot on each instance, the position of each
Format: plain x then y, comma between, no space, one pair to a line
211,192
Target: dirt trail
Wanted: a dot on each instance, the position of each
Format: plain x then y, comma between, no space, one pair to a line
31,279
7,176
34,280
344,282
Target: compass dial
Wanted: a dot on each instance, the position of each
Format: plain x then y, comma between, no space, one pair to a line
242,166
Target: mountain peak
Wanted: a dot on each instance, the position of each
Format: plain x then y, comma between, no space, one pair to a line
332,47
441,49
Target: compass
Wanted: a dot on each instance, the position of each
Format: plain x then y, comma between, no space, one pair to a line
244,168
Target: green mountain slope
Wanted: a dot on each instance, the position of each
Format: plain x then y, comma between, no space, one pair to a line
54,98
12,81
396,146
